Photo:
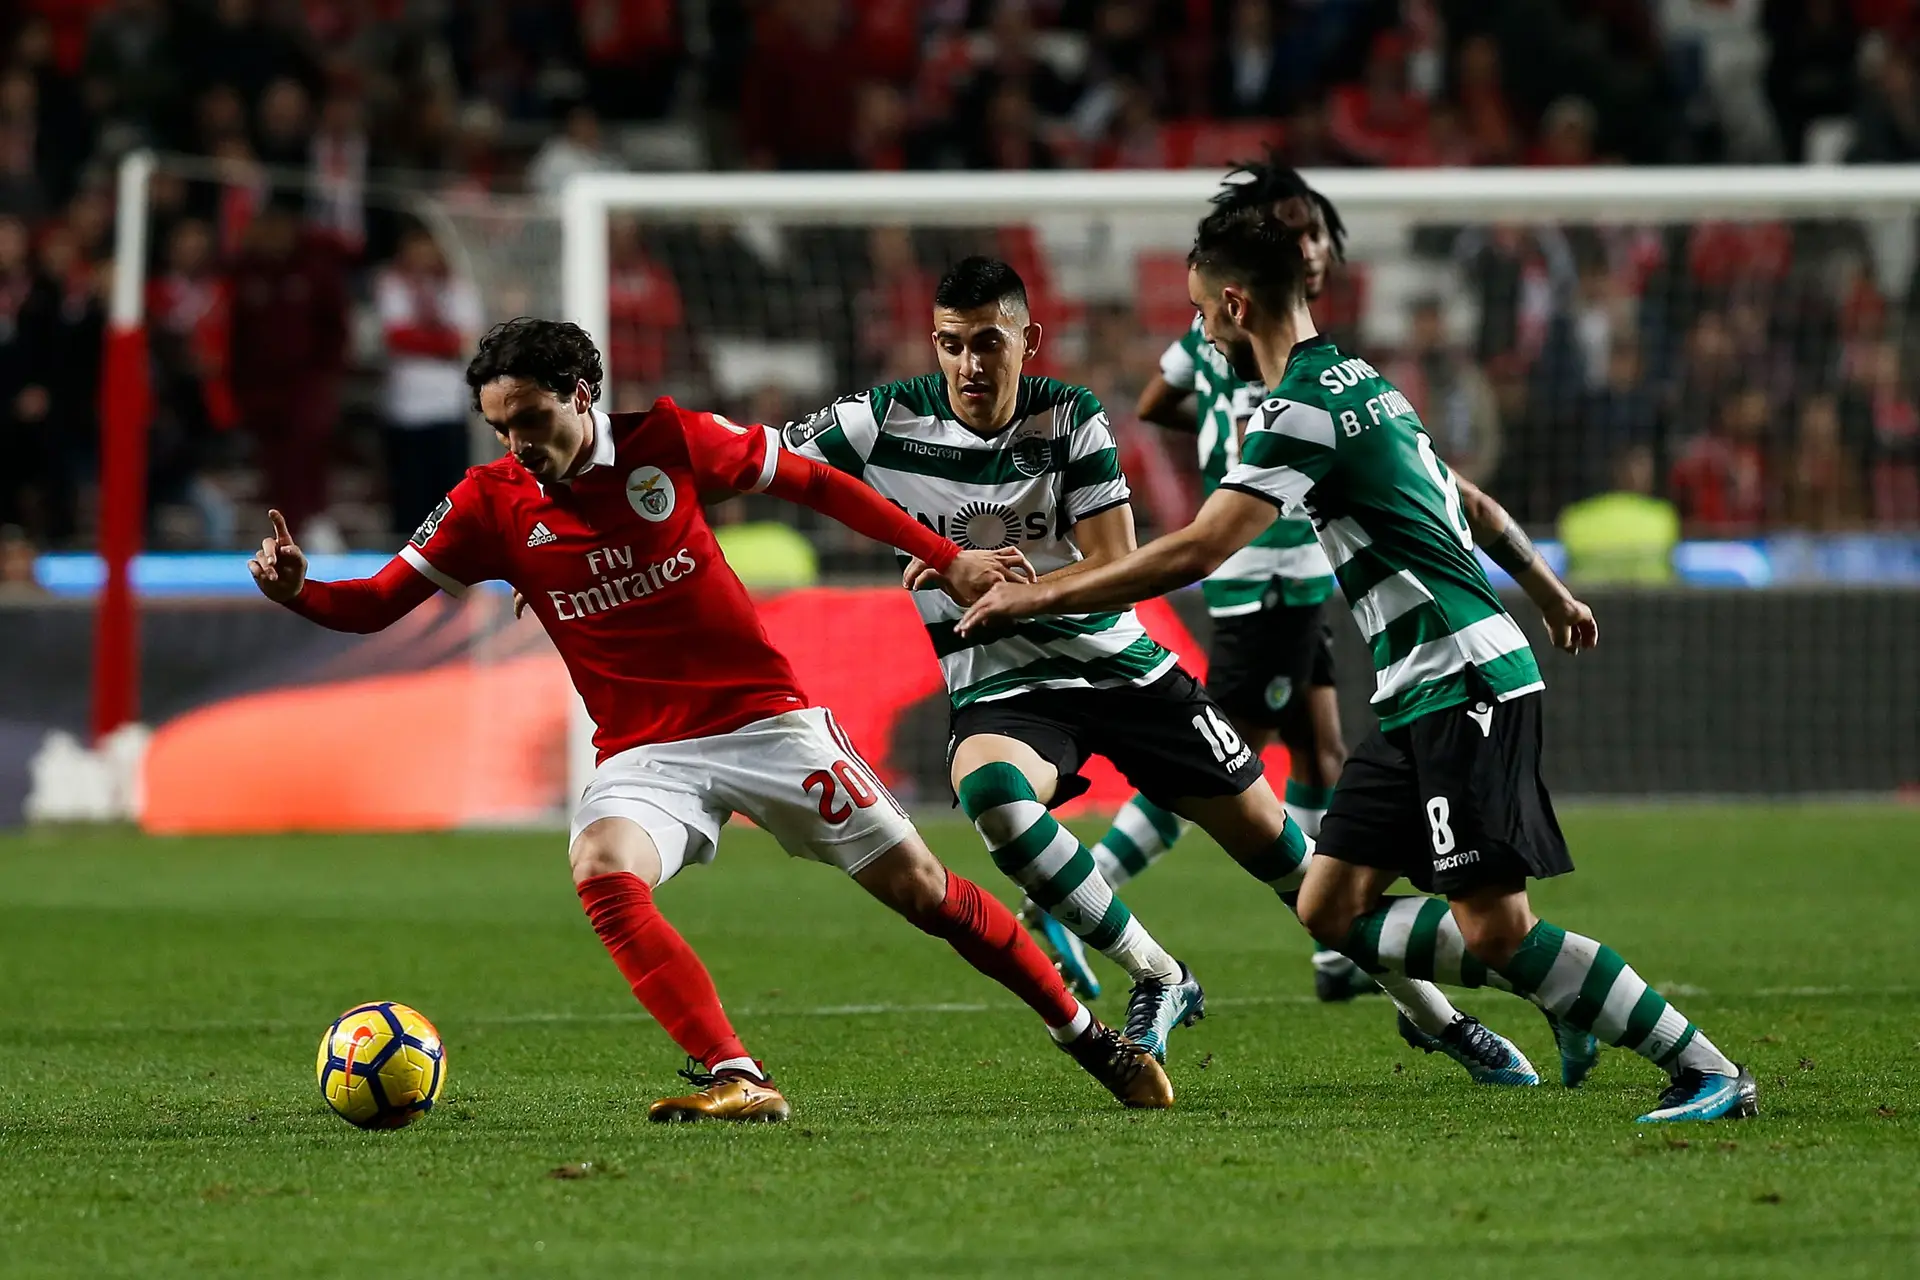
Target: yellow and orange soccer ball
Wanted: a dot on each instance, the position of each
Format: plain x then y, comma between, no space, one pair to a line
381,1065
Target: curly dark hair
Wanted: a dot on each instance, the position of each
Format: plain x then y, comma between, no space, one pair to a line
1274,182
557,354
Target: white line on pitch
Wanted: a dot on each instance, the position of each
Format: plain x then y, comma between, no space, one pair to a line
900,1010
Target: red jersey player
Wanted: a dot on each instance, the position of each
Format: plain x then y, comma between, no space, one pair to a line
597,521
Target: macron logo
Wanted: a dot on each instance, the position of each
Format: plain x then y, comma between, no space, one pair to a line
541,535
1482,715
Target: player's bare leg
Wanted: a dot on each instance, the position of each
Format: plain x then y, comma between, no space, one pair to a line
615,868
1255,830
914,883
1316,752
1003,785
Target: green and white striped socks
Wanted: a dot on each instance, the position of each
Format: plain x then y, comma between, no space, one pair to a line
1582,982
1141,832
1306,805
1282,865
1587,985
1056,870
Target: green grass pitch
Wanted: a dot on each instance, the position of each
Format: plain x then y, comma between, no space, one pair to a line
160,1002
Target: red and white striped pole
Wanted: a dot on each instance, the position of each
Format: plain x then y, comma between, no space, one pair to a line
125,409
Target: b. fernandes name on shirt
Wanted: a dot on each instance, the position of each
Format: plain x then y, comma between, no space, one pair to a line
618,587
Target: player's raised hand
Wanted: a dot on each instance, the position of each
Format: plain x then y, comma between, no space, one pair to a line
1003,604
1570,623
279,567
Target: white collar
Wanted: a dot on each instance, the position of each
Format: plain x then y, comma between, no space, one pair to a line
603,448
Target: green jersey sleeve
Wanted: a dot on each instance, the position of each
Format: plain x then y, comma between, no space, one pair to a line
1093,481
1288,449
1178,367
840,435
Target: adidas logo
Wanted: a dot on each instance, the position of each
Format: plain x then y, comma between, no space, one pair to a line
541,535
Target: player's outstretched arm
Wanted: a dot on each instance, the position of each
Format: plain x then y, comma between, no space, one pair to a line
964,574
361,605
1228,521
1165,405
1569,621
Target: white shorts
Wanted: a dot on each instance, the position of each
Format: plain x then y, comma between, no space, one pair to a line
796,775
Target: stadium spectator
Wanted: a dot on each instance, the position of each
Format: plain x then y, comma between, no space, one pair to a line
577,149
1381,120
1009,134
1822,477
643,306
289,347
237,49
1893,439
132,65
283,125
429,320
798,87
17,578
1486,115
26,306
1887,125
1248,77
1623,535
21,190
1566,134
1721,480
337,171
633,54
76,329
188,332
1810,66
1613,417
1452,396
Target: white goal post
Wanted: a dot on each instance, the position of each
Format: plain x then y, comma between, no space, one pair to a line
1507,195
1092,223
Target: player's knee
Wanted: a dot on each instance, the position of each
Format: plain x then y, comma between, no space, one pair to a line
1492,936
604,849
907,878
1327,916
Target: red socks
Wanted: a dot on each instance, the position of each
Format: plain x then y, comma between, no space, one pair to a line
989,938
666,976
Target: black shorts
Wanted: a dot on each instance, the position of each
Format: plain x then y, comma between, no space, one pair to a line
1452,801
1166,738
1259,663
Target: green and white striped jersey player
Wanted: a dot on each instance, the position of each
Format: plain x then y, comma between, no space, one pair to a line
1447,790
1284,565
1270,657
996,458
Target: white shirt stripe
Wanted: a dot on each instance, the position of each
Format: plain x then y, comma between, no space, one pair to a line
1389,599
452,586
1475,643
1343,539
771,464
1305,422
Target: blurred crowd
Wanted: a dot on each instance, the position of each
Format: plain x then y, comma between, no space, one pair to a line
308,329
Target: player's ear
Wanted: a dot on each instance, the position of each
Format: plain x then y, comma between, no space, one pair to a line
1030,340
1234,301
582,397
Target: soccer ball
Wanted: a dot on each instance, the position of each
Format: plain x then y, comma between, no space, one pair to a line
381,1065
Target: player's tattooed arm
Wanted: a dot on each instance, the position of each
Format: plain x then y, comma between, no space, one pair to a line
1166,405
1228,521
1569,621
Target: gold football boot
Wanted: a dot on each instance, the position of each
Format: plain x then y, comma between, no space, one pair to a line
1130,1072
732,1095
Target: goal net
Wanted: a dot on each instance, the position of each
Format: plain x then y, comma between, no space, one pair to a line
1730,347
